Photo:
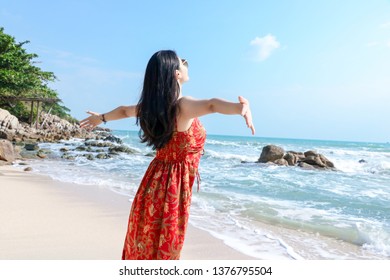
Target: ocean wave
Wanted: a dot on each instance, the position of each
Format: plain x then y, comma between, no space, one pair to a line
368,166
222,143
377,237
227,156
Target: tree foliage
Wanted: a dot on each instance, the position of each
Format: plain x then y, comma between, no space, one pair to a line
21,77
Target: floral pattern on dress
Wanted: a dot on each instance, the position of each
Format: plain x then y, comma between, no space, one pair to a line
160,210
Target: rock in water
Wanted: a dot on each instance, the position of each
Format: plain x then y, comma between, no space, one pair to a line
271,153
308,160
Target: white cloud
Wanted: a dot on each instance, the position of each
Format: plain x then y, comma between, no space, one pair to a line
264,46
388,43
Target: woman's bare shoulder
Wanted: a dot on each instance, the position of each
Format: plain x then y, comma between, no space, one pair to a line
190,107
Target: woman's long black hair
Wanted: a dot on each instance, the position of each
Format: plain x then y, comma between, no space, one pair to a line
157,107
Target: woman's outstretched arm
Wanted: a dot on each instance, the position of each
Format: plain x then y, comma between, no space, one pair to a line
191,108
118,113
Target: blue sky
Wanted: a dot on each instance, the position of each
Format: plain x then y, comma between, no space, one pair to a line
311,69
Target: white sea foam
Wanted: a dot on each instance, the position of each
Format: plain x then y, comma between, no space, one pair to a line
222,143
289,249
227,156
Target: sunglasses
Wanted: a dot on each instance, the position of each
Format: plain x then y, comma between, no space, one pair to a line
185,62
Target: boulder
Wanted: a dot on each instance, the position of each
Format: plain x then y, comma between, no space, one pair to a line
310,153
6,151
113,139
326,161
7,134
68,156
8,121
40,154
306,166
281,161
122,149
313,160
291,158
271,153
31,146
89,156
103,156
317,160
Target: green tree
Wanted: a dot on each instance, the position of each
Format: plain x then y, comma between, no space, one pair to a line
21,77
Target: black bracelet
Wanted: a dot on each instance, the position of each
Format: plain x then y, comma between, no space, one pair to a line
104,119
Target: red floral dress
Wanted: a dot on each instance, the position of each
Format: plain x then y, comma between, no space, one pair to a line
160,210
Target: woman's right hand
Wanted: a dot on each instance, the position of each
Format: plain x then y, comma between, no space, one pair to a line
246,113
92,121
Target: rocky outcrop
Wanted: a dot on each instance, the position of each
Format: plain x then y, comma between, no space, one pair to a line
22,137
105,148
52,129
307,160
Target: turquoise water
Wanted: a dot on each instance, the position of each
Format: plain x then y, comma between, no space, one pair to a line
268,211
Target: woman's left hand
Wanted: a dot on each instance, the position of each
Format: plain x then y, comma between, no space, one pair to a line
246,113
92,121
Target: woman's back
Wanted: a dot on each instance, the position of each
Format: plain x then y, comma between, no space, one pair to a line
183,144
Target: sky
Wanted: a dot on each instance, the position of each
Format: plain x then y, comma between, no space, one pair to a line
310,69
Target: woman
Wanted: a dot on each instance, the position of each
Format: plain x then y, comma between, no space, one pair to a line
169,124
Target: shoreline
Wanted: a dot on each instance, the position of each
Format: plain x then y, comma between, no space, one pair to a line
45,219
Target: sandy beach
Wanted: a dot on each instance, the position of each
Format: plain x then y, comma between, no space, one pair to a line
43,219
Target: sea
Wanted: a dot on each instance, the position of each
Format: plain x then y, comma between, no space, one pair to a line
264,211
